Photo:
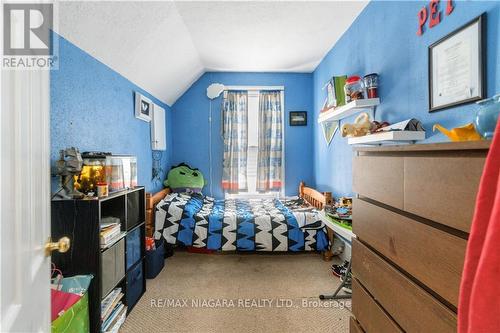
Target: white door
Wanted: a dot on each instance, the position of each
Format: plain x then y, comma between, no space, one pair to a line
24,201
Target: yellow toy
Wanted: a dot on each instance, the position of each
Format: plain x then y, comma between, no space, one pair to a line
344,202
463,133
360,127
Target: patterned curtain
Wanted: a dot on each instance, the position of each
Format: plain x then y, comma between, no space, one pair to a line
235,135
269,165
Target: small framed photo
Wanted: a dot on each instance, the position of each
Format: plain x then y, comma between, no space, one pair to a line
298,118
143,107
456,67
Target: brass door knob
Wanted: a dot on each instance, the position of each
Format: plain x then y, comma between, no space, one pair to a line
61,246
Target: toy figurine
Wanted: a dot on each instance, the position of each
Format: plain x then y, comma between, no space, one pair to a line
360,127
463,133
377,126
341,209
344,202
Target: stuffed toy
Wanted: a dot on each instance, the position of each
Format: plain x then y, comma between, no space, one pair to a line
183,178
360,127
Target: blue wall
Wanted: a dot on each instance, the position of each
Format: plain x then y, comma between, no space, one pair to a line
92,108
191,126
383,40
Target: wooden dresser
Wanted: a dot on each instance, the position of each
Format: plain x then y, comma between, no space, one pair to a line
412,217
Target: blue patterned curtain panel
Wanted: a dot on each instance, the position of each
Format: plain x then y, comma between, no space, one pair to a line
270,156
235,135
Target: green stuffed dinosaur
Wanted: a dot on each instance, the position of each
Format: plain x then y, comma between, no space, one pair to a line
183,178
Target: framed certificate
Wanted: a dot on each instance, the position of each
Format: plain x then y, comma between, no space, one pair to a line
456,67
298,118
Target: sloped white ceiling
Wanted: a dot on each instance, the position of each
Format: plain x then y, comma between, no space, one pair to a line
164,46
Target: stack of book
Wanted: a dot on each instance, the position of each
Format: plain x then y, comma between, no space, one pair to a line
110,231
113,312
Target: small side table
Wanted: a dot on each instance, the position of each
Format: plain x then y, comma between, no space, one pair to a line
347,235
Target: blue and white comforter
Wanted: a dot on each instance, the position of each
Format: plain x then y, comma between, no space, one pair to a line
238,225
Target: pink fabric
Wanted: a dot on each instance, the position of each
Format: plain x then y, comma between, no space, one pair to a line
479,303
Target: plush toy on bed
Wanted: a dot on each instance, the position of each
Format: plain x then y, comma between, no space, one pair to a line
183,178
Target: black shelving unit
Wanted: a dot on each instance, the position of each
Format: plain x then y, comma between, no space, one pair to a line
120,264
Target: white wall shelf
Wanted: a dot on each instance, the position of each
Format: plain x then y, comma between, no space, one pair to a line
387,138
349,109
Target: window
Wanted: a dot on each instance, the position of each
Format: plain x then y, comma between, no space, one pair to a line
253,147
253,140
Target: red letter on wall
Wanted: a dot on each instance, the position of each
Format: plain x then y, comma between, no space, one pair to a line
435,16
422,17
449,7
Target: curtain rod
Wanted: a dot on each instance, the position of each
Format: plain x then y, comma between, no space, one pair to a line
226,88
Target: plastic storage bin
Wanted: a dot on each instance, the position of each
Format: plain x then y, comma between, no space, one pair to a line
155,261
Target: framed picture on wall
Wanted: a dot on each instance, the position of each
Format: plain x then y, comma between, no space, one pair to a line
143,107
298,118
456,67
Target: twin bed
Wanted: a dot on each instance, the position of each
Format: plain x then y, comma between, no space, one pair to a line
271,225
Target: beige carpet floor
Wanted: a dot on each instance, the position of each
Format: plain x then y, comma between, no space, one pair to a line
240,293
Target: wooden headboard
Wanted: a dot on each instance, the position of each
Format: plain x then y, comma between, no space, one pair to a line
314,198
151,201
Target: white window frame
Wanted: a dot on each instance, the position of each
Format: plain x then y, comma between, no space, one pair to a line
257,89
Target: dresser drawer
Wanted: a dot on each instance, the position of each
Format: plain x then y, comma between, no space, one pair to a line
354,326
379,178
371,315
432,256
443,189
414,309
